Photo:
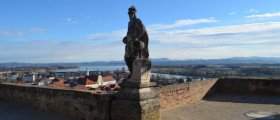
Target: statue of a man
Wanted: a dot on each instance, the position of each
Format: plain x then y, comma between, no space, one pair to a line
136,39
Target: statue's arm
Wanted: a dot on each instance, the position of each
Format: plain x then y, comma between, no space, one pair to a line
125,40
141,28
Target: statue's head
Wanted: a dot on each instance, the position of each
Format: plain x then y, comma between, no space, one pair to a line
131,12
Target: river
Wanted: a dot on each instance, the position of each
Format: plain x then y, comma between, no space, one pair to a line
94,68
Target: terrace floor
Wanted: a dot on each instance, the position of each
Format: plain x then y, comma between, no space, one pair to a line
15,111
217,107
227,107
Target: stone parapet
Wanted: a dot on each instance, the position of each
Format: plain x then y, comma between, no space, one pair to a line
82,105
249,86
137,94
141,71
148,109
138,99
184,93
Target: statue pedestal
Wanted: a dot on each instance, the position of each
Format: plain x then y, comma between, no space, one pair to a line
137,99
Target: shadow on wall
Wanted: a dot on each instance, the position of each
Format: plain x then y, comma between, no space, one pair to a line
257,91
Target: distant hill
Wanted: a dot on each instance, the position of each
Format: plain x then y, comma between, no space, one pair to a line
233,60
95,63
160,61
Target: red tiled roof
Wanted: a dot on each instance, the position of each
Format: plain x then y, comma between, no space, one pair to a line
88,80
59,84
108,78
81,88
61,79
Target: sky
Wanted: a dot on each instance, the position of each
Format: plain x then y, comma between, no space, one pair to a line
49,31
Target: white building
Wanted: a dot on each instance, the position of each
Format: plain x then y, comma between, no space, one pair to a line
30,77
5,75
14,76
108,80
92,85
100,80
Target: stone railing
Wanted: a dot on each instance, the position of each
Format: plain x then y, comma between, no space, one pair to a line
241,85
184,93
88,105
77,104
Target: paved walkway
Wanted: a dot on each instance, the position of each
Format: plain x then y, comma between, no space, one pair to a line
15,111
218,107
225,107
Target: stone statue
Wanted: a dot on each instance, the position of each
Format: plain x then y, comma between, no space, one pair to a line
136,40
138,98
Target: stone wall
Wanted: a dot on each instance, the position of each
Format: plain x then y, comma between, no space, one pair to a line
185,93
171,95
248,86
82,105
87,105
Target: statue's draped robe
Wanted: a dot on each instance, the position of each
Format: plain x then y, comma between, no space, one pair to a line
135,30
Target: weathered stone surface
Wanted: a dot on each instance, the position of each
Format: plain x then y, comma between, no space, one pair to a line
138,99
141,71
146,106
248,86
83,105
190,92
137,84
136,94
136,110
136,40
136,104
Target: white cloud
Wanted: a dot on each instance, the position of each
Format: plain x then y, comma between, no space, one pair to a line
58,51
266,15
6,32
181,23
70,21
252,11
20,33
258,39
211,35
232,13
109,36
86,16
37,30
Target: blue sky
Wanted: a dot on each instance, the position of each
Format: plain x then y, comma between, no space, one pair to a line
47,31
